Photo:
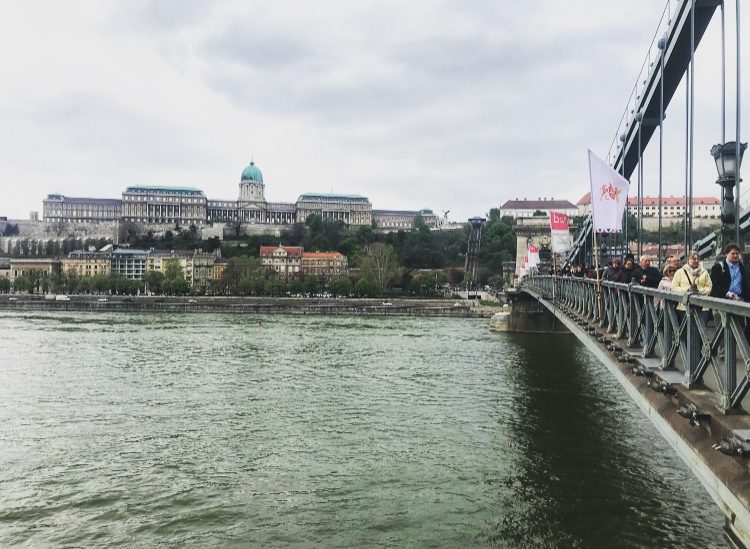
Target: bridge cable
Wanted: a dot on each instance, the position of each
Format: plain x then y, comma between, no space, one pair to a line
737,139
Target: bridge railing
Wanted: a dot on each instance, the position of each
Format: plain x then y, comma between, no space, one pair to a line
705,338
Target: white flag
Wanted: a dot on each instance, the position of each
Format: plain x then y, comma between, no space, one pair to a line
560,229
609,196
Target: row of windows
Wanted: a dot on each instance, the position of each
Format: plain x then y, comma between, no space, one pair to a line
714,207
176,199
86,213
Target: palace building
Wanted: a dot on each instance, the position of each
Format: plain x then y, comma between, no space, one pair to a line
59,208
166,206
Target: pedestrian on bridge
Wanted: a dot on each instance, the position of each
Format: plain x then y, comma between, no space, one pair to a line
673,261
692,277
665,284
613,271
627,275
645,274
729,276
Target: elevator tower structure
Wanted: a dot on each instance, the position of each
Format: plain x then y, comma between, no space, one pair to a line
472,250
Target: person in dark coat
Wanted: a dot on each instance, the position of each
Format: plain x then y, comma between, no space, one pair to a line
612,272
627,272
645,274
729,278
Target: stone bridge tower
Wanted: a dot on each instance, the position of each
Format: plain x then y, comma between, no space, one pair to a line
536,230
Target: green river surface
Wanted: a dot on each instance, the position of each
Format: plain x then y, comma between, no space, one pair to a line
212,430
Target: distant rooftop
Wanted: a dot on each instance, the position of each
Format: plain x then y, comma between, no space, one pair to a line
84,200
665,200
295,251
157,188
322,255
130,251
538,204
332,197
395,212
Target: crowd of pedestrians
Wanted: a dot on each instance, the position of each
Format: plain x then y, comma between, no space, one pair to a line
726,279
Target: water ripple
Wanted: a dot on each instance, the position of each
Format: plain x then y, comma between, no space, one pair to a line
146,430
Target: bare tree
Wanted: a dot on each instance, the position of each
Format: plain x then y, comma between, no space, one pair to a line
380,265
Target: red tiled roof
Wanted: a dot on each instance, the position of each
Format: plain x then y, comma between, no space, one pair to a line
322,255
665,200
674,201
294,251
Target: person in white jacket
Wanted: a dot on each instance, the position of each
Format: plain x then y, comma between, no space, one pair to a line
692,277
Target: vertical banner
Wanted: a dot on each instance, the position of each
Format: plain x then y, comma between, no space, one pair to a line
524,268
560,229
609,196
533,256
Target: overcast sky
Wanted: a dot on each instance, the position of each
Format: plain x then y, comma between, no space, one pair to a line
453,105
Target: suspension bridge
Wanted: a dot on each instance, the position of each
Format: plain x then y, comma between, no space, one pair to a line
683,358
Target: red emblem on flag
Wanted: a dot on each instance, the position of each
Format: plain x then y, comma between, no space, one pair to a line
610,192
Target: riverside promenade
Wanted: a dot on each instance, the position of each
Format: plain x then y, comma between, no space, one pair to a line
251,305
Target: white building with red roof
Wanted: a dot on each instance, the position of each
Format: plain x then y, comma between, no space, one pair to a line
293,260
324,263
285,260
707,207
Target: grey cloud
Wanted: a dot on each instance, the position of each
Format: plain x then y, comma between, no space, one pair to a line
345,103
119,136
162,15
252,45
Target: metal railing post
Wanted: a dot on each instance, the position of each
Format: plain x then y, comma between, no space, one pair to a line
648,325
693,342
728,370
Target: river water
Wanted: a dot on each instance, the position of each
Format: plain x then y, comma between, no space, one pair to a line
144,430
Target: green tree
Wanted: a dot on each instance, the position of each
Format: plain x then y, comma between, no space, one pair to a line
365,235
118,284
273,286
154,281
23,284
296,286
341,286
85,285
243,276
311,284
314,222
100,283
174,279
365,288
4,285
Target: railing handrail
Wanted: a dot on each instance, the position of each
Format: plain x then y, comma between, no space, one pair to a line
677,330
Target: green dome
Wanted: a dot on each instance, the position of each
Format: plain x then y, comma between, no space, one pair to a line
252,173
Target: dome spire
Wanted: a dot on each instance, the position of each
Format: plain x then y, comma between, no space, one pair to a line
252,173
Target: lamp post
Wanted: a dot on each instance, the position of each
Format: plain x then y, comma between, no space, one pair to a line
728,158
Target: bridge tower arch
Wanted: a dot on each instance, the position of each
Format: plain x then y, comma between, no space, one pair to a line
533,230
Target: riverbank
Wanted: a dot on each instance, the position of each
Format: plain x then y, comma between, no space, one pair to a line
251,305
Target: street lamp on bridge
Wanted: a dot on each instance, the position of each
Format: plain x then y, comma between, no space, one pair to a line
728,158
